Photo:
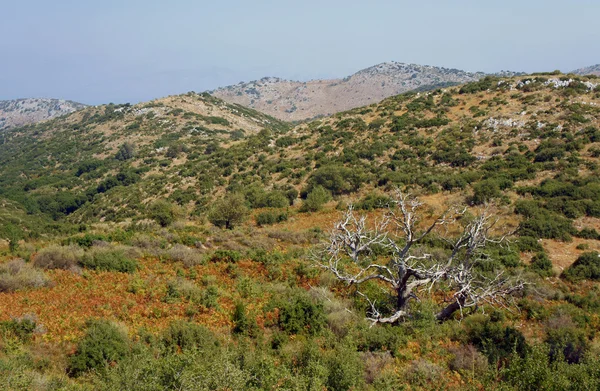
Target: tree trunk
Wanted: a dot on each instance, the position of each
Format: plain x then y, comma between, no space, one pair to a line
449,310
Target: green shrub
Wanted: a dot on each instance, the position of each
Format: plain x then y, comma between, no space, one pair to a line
109,259
567,342
20,328
315,199
126,151
529,244
162,212
541,264
373,201
17,275
229,256
182,335
587,266
58,257
102,344
271,217
299,313
493,339
345,369
180,288
229,211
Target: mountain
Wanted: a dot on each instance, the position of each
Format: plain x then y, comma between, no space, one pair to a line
296,101
591,70
21,112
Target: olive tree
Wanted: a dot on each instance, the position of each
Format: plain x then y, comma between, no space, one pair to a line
409,269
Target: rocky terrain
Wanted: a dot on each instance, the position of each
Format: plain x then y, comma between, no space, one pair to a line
591,70
296,101
19,112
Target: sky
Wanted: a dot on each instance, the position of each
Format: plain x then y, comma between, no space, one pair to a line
122,51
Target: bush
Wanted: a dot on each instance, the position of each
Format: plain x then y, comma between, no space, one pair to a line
16,275
466,360
541,264
180,288
229,211
109,259
21,328
162,212
126,151
345,369
493,339
566,341
182,335
102,344
58,257
180,253
229,256
299,313
587,266
315,199
271,217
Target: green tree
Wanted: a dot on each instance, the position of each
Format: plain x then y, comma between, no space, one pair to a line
229,211
126,151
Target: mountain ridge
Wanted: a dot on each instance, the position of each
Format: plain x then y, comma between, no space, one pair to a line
25,111
291,100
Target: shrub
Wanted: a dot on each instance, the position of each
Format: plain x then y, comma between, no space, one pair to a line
587,266
162,212
182,335
337,179
373,201
180,288
271,217
493,339
529,244
102,344
229,256
229,211
541,264
21,328
58,257
126,151
345,369
485,191
299,313
565,340
466,359
180,253
316,199
588,233
109,259
16,275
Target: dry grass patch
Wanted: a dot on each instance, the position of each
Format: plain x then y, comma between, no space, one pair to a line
17,275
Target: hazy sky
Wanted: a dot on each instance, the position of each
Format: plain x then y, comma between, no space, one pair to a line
133,50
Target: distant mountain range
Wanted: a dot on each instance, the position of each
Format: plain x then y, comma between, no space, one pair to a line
591,70
19,112
294,100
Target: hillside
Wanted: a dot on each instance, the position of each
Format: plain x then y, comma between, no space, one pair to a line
20,112
591,70
297,101
152,246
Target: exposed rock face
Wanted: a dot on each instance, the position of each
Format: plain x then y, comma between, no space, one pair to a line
591,70
21,112
295,101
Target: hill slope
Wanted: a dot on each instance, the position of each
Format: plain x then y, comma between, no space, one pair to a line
21,112
119,202
294,100
591,70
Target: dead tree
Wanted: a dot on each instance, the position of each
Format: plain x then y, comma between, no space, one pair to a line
410,270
